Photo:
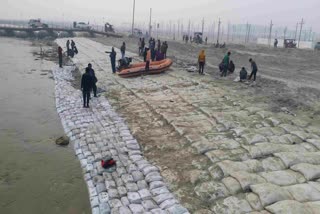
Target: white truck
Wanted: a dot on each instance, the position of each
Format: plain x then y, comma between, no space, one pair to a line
36,23
81,25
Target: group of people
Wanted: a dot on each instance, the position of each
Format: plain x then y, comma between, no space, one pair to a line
73,50
228,65
158,50
88,84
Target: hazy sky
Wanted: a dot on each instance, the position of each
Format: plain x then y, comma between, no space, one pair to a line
282,12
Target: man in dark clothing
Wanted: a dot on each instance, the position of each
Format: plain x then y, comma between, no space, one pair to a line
86,87
159,45
143,44
68,47
275,43
94,79
232,67
72,44
254,70
165,49
123,50
187,39
112,56
243,74
226,60
60,56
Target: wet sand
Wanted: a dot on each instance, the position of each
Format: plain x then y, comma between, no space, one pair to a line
36,176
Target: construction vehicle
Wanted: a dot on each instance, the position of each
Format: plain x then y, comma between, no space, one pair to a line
108,28
290,43
197,38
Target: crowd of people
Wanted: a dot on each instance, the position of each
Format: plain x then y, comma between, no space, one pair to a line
228,67
156,51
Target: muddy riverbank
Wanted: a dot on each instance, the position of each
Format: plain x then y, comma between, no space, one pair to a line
36,176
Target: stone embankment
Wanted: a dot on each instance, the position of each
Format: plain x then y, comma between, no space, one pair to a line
258,161
136,185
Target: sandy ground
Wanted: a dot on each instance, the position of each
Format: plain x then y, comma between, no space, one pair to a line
36,176
292,74
213,138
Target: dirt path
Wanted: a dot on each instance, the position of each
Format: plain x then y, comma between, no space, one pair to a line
221,151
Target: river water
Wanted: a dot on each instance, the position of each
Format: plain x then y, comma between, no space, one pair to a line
36,176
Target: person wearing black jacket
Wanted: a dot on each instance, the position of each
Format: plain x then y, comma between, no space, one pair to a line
113,56
95,80
86,87
254,70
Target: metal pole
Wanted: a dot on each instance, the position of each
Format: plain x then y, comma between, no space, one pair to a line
134,7
228,31
150,22
270,32
301,24
189,25
285,33
202,26
218,30
296,33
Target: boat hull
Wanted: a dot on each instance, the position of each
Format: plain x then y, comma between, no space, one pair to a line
138,69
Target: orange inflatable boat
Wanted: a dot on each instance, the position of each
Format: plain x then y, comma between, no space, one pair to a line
138,69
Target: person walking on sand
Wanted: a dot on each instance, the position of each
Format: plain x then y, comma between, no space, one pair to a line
68,47
139,46
60,56
226,61
201,61
123,50
86,87
148,59
94,78
113,56
254,68
143,44
159,45
72,44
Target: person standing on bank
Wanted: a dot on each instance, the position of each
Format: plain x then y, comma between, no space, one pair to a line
68,47
254,68
225,61
60,56
148,59
94,78
86,87
201,61
113,56
123,50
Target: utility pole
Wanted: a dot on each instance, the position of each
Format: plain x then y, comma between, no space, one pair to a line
219,24
301,25
285,32
150,27
310,34
247,31
270,32
189,25
179,29
213,28
202,26
228,33
296,33
134,8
